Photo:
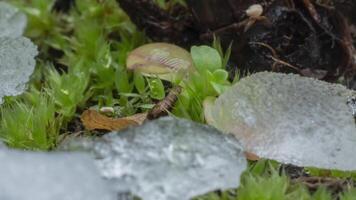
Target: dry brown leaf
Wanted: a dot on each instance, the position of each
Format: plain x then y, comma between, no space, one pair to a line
251,156
93,120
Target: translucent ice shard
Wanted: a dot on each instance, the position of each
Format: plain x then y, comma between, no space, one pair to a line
12,21
17,63
291,119
50,176
168,159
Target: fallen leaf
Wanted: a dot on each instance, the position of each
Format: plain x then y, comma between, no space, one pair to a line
93,120
251,156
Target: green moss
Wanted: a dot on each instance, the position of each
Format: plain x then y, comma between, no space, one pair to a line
30,123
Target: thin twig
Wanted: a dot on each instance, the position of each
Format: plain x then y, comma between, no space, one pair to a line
163,107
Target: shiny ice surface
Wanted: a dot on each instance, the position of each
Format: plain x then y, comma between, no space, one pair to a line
17,63
168,159
50,176
291,119
12,21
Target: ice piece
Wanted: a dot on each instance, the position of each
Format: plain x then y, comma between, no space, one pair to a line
12,21
50,176
352,104
291,119
168,159
17,63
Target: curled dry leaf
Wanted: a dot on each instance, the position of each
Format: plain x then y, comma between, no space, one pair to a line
251,156
93,120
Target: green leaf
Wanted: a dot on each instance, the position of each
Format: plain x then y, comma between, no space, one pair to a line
220,75
156,89
219,88
206,58
122,80
225,55
139,82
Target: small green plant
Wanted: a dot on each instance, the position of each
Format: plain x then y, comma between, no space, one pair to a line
256,188
209,80
45,28
30,123
67,91
331,173
92,56
348,195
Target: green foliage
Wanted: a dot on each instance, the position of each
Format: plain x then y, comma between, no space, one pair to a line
263,178
263,167
95,70
156,89
224,55
30,123
256,188
46,28
262,182
331,173
210,79
206,58
349,195
67,91
272,187
322,194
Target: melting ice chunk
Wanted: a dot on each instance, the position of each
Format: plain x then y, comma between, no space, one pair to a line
12,21
291,119
17,63
50,176
168,159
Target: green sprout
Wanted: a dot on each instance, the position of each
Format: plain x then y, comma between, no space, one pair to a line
31,123
209,80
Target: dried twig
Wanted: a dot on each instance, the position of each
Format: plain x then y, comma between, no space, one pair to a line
163,107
